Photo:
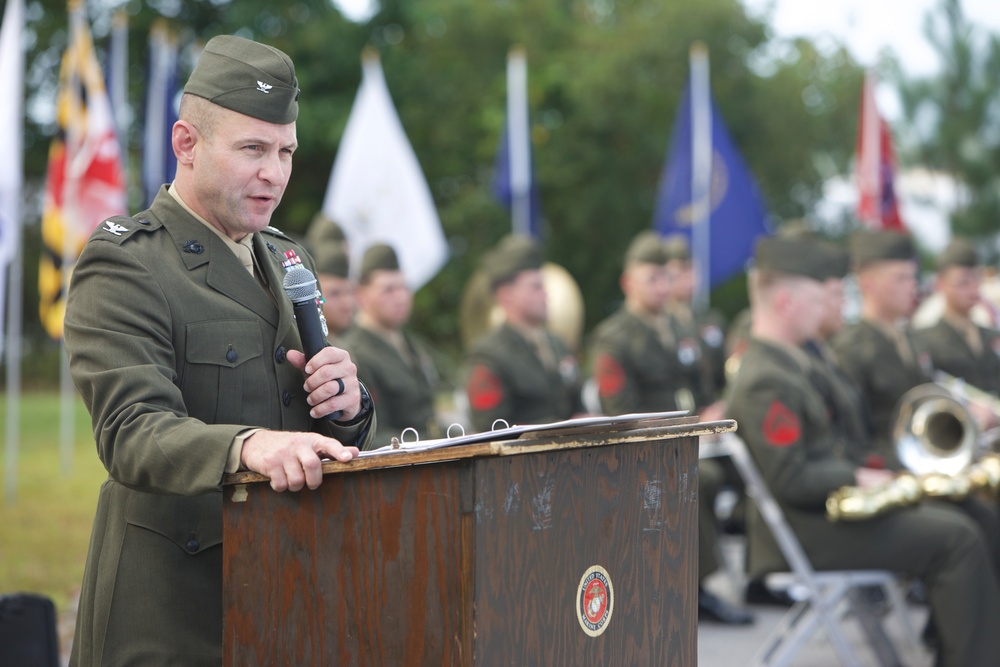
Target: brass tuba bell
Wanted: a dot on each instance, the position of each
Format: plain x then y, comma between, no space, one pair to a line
934,432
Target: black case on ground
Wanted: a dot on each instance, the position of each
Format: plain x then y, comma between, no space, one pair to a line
28,631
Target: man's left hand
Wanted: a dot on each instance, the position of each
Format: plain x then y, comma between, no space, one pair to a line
324,391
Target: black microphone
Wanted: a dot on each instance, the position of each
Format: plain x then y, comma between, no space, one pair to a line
300,286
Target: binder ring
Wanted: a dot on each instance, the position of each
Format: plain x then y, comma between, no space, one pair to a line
451,426
409,429
499,421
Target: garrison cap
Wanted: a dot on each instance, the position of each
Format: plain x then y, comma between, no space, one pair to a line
379,257
869,247
836,262
332,259
322,230
646,248
960,252
677,248
247,77
794,256
510,257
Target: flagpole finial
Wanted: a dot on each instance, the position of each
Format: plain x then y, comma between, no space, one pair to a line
698,50
369,55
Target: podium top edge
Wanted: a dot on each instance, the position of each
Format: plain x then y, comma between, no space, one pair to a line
530,442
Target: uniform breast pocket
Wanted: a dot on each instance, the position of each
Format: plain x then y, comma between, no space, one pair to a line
225,381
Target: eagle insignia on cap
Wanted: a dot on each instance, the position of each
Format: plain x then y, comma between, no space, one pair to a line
264,87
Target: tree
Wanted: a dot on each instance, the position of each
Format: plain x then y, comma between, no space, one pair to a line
952,119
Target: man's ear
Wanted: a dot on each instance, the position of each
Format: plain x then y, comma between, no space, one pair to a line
183,138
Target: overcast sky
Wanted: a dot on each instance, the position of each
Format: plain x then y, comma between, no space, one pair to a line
866,26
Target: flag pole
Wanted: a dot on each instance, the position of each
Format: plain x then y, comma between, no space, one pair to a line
118,68
13,73
701,172
518,139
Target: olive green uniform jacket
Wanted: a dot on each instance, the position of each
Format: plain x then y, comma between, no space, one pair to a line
176,349
848,415
402,389
950,352
786,425
506,379
709,330
634,370
872,361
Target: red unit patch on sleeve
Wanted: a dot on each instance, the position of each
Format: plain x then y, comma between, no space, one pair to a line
484,389
609,374
781,426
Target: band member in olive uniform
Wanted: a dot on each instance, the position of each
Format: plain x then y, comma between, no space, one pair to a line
843,400
878,352
957,345
787,427
328,247
184,347
705,365
520,372
395,365
637,369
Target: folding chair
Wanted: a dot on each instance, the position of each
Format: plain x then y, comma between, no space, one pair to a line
819,595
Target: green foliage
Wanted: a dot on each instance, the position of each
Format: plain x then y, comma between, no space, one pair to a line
952,119
46,530
605,79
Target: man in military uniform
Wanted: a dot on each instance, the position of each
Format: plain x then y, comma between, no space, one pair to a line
394,364
705,364
786,425
184,347
520,372
878,352
328,247
957,345
637,369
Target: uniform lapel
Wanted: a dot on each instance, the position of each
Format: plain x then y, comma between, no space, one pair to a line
270,263
201,247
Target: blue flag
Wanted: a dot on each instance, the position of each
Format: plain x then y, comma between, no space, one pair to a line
737,214
158,161
503,191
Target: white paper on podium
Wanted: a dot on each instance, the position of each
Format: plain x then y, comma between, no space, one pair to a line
512,432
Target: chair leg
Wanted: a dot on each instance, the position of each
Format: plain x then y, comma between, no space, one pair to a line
830,598
871,625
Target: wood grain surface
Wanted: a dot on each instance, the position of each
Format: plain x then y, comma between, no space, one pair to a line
473,560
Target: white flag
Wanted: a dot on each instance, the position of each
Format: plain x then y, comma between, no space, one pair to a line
12,122
377,192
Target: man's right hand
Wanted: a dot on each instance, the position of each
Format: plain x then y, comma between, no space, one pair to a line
292,459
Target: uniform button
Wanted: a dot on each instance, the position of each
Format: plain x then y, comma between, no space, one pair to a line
231,356
143,221
193,545
286,398
279,355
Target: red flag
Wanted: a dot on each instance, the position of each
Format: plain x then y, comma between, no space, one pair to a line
876,166
85,184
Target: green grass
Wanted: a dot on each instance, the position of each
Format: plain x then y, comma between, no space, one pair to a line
45,532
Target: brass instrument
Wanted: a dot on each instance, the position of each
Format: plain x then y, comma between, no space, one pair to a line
936,439
851,503
933,431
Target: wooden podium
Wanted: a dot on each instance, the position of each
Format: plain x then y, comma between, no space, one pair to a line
574,546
